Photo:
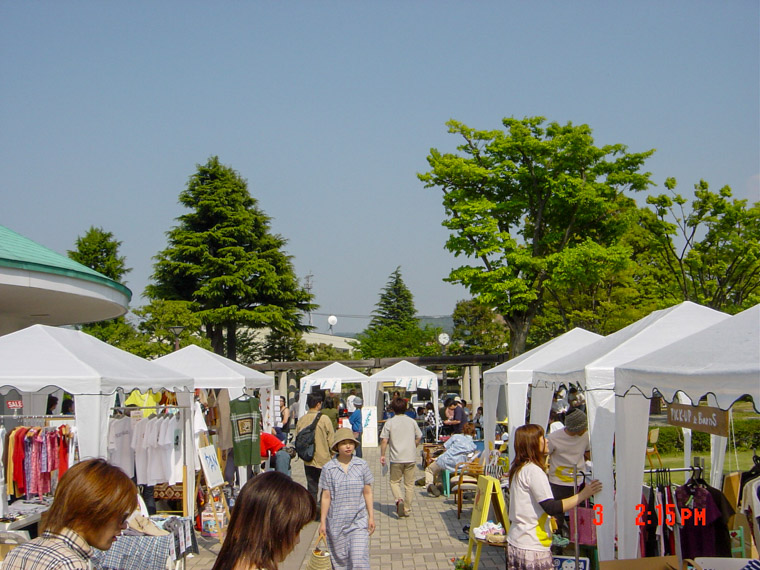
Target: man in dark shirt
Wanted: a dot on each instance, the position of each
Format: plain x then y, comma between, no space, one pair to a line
457,422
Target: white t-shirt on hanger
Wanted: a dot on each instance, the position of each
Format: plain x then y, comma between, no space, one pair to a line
120,445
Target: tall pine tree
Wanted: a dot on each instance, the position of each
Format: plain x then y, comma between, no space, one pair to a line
396,305
223,258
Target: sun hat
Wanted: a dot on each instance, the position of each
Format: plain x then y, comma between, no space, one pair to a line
343,434
358,401
575,421
457,399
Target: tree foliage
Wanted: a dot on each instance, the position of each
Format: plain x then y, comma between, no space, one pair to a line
520,202
158,316
477,330
394,329
708,251
99,250
224,260
396,305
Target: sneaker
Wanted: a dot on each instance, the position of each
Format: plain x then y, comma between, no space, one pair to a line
433,490
400,508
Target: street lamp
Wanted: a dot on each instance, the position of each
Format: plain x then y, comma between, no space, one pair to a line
176,331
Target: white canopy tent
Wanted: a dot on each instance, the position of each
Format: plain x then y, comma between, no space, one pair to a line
331,378
42,358
593,367
412,378
517,375
722,361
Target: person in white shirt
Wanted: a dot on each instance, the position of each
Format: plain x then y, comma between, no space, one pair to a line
531,502
401,435
350,406
568,450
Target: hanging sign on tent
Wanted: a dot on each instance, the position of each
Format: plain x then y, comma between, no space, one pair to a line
699,418
14,404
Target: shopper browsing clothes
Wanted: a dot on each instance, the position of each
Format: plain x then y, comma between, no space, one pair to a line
266,521
355,419
401,435
531,503
92,503
347,518
568,450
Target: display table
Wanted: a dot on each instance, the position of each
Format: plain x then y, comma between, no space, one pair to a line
22,515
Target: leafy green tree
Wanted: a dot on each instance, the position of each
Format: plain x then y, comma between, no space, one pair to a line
519,201
398,341
284,346
324,351
158,316
478,330
709,249
396,305
224,260
99,250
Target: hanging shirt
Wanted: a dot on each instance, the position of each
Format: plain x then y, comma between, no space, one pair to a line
120,451
245,416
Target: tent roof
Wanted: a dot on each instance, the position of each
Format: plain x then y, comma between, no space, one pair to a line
40,356
520,368
656,330
211,370
723,359
336,371
408,375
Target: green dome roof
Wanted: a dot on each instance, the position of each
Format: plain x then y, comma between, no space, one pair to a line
19,252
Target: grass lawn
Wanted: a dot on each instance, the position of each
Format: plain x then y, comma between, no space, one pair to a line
676,460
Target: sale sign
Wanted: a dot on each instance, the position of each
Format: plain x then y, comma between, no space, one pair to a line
14,404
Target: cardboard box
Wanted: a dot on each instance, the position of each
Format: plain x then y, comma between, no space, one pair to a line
208,524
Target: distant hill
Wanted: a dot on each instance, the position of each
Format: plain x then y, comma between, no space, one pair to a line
446,323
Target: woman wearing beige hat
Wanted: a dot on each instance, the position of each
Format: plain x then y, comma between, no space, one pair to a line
348,518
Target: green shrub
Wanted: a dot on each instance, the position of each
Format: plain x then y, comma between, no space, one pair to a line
746,435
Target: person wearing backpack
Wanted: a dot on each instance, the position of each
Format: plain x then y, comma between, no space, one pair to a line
323,435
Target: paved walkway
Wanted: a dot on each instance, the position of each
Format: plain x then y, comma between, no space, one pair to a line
427,540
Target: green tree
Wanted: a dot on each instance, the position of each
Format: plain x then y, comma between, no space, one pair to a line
158,316
394,330
99,250
477,329
520,200
708,250
396,305
223,258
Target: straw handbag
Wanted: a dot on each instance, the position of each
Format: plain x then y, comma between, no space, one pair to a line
320,557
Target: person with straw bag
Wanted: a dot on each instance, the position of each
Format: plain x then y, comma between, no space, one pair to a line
347,515
268,516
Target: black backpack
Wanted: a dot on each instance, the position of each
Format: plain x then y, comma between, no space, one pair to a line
304,442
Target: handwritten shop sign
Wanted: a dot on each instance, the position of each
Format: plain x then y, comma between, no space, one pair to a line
699,418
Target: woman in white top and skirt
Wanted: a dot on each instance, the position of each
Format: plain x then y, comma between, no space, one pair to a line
532,504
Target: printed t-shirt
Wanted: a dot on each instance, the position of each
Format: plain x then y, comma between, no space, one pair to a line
529,524
119,445
401,431
245,416
565,452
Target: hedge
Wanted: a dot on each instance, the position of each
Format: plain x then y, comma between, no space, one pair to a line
746,435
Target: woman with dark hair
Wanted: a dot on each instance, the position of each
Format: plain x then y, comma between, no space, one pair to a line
531,502
268,516
92,503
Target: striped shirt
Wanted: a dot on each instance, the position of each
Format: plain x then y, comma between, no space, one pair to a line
66,550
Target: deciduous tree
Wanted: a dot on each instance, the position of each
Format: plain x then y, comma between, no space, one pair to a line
519,201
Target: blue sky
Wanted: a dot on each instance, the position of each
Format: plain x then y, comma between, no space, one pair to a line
329,110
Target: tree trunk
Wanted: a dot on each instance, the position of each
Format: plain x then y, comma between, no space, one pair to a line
232,341
214,333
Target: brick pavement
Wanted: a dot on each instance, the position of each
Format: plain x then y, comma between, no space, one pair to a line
426,540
